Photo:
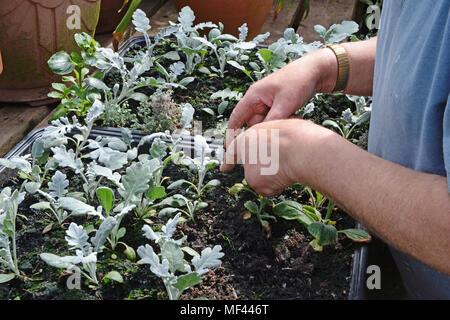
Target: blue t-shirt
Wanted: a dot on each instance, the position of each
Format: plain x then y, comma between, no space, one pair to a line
410,121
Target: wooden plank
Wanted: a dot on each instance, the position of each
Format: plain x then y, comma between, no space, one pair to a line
18,120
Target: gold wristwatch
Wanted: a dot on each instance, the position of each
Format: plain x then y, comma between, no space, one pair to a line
343,66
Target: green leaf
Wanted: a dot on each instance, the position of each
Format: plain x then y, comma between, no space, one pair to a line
167,212
186,281
157,192
324,234
298,186
357,235
59,87
312,212
190,251
6,277
265,54
115,276
130,253
106,197
139,97
252,207
177,184
321,31
121,232
172,55
315,245
363,118
61,111
330,123
61,63
291,210
185,81
238,187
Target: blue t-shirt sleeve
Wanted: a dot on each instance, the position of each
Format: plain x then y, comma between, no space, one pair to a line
446,141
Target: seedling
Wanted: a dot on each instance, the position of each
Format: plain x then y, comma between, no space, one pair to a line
256,208
175,272
86,252
9,203
322,229
347,122
201,163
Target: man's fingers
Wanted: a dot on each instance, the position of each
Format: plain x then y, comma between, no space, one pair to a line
251,110
280,109
231,155
257,118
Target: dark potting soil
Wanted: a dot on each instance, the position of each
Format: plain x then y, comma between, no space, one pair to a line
256,265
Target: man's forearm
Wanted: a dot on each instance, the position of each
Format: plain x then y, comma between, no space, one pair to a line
407,208
361,56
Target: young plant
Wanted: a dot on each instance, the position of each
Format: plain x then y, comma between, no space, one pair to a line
347,122
176,274
79,96
186,33
160,159
256,208
201,163
106,198
55,198
177,201
272,58
220,45
322,229
159,113
85,252
9,204
337,32
315,197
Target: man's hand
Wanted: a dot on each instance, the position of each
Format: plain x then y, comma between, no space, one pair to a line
282,93
385,197
275,154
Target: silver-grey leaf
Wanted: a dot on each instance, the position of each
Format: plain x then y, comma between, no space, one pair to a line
103,232
77,207
77,237
58,185
209,258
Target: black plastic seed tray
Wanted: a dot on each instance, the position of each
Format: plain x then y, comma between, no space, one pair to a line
359,265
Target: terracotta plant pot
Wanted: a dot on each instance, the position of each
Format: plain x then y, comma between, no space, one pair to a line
33,30
232,13
110,16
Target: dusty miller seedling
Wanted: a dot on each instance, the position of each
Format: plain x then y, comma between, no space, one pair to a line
170,265
9,204
85,251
